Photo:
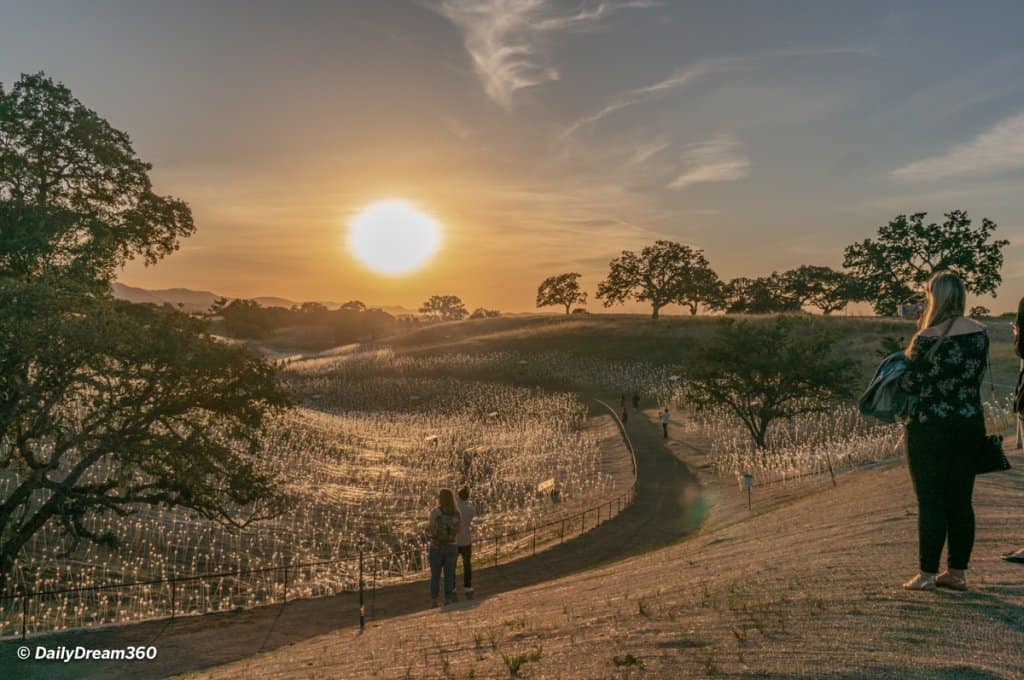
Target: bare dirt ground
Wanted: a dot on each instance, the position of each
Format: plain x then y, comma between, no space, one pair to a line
188,644
805,585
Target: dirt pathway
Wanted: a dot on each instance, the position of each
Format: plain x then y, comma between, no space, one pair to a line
666,509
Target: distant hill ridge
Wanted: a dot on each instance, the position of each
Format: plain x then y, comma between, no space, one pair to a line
202,300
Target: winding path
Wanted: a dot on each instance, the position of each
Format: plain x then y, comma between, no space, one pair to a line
666,487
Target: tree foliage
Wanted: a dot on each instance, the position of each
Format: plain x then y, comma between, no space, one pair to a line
445,308
563,290
74,197
894,267
106,406
661,274
483,313
249,320
762,295
353,306
765,371
821,287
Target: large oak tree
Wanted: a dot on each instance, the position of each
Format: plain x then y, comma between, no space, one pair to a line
661,274
563,290
765,371
106,407
822,287
893,268
445,308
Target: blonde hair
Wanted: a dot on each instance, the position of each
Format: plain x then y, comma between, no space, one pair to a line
946,298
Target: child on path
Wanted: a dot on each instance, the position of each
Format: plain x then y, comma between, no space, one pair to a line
664,422
464,539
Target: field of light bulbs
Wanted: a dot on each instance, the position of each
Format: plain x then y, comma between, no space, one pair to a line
839,437
361,459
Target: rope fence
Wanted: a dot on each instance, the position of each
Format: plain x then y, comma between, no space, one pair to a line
49,610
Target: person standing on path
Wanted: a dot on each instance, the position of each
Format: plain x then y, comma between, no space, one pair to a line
664,422
444,529
464,539
1017,556
947,361
636,402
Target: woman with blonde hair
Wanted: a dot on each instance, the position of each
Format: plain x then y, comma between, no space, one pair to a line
444,523
947,361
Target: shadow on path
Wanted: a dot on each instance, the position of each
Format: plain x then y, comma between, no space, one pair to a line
662,513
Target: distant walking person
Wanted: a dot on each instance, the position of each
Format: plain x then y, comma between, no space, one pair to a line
464,539
664,422
947,360
444,529
636,402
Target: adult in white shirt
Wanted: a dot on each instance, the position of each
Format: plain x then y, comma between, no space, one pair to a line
464,540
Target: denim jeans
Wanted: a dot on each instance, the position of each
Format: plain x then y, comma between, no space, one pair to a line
442,557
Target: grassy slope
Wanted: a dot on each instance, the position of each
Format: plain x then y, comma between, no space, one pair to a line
806,585
666,341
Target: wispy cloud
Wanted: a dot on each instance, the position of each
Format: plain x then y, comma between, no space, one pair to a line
720,159
1000,149
503,37
701,69
676,81
646,151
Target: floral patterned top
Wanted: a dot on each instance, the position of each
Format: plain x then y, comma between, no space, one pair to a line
949,384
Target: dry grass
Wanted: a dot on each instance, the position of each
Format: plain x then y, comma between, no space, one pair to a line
806,585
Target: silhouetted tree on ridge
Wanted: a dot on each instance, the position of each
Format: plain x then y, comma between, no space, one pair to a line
661,274
445,308
893,267
563,290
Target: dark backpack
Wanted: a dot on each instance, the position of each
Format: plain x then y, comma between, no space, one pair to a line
446,528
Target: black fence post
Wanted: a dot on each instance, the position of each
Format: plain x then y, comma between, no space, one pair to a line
24,615
495,550
534,540
561,534
362,609
285,596
174,595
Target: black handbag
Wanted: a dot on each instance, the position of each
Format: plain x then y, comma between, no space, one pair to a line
991,457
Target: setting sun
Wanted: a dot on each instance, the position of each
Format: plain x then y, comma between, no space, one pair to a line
393,237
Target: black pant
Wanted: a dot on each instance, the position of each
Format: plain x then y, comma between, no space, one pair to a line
664,429
941,458
466,552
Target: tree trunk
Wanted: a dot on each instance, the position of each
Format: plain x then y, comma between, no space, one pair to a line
654,311
693,309
567,308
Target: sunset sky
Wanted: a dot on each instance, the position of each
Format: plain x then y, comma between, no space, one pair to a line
544,136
